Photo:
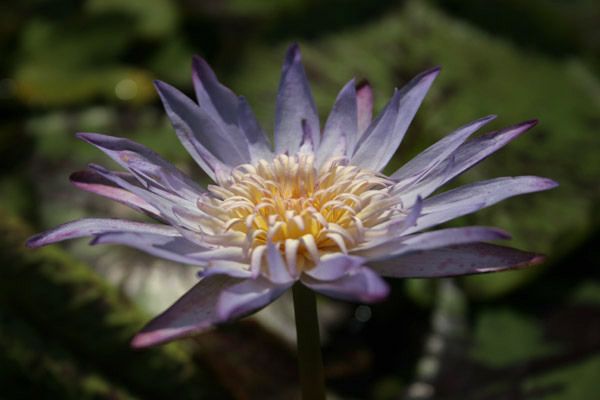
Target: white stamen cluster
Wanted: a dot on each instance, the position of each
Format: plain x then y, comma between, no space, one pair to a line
304,212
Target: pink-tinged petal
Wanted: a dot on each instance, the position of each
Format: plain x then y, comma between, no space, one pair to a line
466,259
277,269
364,105
487,192
148,167
377,135
195,312
334,266
342,122
217,100
479,148
172,248
202,137
441,150
382,147
295,103
94,226
259,144
361,286
248,297
95,183
430,240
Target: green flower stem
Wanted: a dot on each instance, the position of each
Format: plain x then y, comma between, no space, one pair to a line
310,363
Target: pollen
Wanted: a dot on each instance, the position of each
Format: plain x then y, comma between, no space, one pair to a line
306,212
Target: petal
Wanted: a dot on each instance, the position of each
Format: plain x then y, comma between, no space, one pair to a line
440,150
194,312
277,269
475,258
387,141
477,149
295,103
342,122
470,198
430,240
376,136
259,144
333,267
226,267
163,203
219,102
94,226
207,143
427,184
150,168
364,105
96,183
361,286
172,248
247,297
487,192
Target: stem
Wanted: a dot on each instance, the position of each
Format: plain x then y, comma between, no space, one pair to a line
310,363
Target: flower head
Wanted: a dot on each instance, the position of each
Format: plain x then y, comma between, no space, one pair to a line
316,209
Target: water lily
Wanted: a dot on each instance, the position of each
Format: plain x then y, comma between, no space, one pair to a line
316,209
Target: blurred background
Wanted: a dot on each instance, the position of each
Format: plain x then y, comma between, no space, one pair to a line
67,312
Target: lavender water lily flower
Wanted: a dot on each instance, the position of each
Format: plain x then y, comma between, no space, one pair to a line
316,209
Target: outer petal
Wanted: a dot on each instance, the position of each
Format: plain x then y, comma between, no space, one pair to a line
440,150
216,99
94,226
172,248
150,168
247,297
477,149
335,266
295,103
430,240
192,313
210,146
342,122
361,286
426,185
376,136
364,105
382,147
95,183
259,144
163,203
475,258
469,198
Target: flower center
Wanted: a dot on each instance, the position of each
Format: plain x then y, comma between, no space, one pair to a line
306,213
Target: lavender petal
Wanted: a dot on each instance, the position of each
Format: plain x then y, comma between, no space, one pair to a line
441,150
466,259
333,267
295,103
248,297
259,144
194,312
479,148
342,121
200,134
361,286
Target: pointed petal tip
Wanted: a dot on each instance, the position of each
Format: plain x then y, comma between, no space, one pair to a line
35,240
363,83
